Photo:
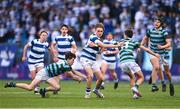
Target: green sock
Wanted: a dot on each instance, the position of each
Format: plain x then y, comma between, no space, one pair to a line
162,82
13,84
153,84
136,85
170,82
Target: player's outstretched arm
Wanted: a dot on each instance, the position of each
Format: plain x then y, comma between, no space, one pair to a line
144,41
150,52
79,74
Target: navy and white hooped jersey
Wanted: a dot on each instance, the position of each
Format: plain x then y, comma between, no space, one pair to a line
64,44
91,52
157,37
111,58
37,51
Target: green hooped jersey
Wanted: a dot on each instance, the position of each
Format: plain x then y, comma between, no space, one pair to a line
157,37
57,68
126,51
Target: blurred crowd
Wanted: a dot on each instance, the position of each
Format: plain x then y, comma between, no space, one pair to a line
21,20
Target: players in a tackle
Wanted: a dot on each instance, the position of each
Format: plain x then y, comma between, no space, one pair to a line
48,73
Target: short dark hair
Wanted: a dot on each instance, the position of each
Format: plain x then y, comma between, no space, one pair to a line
128,33
64,25
69,55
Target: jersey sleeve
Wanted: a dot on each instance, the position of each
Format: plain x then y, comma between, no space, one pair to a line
137,44
95,40
31,43
48,45
72,41
148,33
54,40
165,34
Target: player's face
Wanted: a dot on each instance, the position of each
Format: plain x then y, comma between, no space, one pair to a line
70,61
64,31
99,32
43,36
157,24
109,37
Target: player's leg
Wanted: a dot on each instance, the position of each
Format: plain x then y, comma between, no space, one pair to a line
136,70
33,70
140,79
115,78
25,86
89,73
112,67
54,86
131,78
57,78
99,81
39,66
133,85
161,76
156,67
104,67
168,73
125,67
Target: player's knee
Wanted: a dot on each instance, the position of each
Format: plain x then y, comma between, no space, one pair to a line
156,68
167,73
142,77
58,88
89,77
101,78
30,88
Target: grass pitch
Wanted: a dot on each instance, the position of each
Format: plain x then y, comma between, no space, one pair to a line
72,96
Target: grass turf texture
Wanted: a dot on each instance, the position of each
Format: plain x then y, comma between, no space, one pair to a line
72,96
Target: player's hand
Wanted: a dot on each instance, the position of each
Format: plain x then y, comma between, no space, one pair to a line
55,59
139,50
73,50
120,44
107,52
158,56
159,47
24,58
92,44
54,51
